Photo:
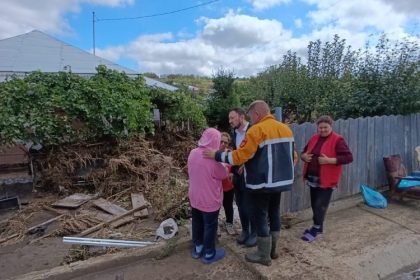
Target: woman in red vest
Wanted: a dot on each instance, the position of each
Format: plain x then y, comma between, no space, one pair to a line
323,158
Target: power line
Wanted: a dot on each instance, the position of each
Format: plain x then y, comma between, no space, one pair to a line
160,14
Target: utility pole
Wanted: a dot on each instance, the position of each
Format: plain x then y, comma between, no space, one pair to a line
93,33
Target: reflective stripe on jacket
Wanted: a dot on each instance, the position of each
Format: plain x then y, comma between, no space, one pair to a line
267,151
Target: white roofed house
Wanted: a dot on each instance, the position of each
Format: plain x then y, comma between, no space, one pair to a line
36,50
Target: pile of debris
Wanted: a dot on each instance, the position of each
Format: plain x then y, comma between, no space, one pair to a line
103,186
175,145
114,171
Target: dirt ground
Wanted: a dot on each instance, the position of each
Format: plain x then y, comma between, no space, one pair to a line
19,256
359,243
177,266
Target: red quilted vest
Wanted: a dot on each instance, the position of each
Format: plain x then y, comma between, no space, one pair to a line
329,174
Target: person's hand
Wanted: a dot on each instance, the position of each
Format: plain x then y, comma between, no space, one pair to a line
306,157
207,153
323,159
241,170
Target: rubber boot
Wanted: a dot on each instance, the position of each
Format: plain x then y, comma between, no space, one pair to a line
274,238
262,255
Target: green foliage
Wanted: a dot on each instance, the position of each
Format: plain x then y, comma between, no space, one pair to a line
204,84
223,97
63,107
180,106
341,82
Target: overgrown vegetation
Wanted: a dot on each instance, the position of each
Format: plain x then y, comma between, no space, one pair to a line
180,108
223,97
56,108
342,82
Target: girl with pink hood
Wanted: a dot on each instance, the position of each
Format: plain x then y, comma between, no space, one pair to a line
206,196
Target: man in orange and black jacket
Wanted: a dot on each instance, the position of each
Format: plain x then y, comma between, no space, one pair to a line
268,154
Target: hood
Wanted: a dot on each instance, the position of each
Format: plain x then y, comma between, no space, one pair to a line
210,139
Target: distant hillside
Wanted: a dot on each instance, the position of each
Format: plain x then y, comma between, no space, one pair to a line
204,84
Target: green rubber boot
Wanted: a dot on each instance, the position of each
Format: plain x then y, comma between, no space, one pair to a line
274,238
262,255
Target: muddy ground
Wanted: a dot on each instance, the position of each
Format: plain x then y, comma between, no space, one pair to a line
359,243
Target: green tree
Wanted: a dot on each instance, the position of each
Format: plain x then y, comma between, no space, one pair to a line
223,97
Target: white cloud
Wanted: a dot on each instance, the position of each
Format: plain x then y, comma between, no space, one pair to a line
357,15
410,7
245,43
21,16
240,42
248,44
111,3
266,4
235,30
298,23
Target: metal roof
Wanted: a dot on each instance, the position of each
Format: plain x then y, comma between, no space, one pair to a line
38,51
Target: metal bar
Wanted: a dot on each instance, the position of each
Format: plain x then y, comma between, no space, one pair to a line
106,242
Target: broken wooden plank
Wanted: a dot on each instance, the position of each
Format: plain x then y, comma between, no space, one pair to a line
101,225
73,201
122,221
109,207
137,199
46,207
32,228
103,216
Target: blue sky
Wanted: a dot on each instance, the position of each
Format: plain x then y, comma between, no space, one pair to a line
243,35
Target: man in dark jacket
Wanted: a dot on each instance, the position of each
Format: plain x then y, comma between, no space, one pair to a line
248,236
268,154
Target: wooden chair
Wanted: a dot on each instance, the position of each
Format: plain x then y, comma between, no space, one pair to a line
395,171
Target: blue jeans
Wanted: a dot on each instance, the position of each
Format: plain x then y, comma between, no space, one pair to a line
266,209
204,229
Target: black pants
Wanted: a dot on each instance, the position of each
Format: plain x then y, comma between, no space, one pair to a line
243,201
228,205
320,199
266,212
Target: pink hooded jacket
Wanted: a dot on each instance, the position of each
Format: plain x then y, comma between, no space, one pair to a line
206,175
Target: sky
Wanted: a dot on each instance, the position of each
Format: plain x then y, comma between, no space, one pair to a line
244,36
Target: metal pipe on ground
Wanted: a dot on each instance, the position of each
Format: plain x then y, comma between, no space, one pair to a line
106,242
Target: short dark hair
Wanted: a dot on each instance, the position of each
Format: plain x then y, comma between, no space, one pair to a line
325,119
239,111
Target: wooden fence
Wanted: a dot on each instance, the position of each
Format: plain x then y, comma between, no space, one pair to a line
370,139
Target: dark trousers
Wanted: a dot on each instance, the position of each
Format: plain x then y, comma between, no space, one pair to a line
320,199
244,208
204,229
266,212
228,205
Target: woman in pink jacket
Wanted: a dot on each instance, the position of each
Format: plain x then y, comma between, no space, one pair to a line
206,196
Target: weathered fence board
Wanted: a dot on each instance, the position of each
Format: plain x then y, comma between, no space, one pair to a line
370,139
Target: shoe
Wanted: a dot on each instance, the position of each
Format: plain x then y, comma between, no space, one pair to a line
262,255
318,230
274,238
311,234
230,229
218,255
251,241
195,254
242,237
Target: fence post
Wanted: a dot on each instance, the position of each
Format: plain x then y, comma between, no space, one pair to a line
277,113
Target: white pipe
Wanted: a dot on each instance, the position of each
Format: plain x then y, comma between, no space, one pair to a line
106,242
